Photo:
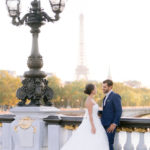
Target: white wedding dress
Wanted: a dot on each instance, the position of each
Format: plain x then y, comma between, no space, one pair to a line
83,139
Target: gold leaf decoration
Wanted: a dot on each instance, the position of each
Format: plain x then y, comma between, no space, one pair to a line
70,127
15,128
34,129
25,122
140,130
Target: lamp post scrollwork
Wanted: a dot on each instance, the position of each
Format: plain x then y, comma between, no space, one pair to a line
35,86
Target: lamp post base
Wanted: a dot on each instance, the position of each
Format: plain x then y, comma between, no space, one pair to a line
28,130
36,90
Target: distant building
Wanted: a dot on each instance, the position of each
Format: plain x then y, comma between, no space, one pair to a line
12,73
133,84
21,77
49,74
67,82
109,74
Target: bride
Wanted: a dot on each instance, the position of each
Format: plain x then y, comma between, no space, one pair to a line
90,135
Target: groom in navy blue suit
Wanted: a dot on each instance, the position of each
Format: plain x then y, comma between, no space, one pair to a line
112,110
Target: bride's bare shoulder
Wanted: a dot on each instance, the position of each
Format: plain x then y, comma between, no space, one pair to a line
88,103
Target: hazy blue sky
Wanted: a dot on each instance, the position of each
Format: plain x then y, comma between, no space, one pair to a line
117,33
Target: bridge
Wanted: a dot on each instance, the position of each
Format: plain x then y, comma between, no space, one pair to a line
127,111
135,111
132,134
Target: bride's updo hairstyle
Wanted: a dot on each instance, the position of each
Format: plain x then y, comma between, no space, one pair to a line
89,88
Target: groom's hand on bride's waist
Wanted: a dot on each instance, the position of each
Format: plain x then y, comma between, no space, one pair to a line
111,128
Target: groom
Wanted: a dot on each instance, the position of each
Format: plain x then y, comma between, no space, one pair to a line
112,111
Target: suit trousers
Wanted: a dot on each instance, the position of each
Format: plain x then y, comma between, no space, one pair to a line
111,137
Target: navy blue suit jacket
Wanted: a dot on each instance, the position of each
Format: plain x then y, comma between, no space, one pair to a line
112,110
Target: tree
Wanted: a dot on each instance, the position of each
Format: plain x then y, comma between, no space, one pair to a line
72,93
8,88
55,83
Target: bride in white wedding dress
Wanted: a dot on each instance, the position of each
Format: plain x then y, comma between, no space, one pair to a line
90,135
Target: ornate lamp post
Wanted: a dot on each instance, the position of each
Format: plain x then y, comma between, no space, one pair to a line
35,87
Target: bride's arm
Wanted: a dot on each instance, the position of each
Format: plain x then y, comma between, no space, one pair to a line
90,111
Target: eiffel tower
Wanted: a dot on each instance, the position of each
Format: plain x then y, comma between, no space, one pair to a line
109,74
81,70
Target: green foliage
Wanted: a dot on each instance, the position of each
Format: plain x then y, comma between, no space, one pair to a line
8,87
56,85
71,94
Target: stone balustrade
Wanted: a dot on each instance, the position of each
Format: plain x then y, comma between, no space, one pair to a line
0,136
132,134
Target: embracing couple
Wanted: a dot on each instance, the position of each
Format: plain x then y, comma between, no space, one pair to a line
96,133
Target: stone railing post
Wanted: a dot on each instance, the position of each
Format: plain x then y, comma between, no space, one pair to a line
54,132
45,129
141,145
0,136
28,130
5,135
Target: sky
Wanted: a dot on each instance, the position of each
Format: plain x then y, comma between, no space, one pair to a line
116,32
